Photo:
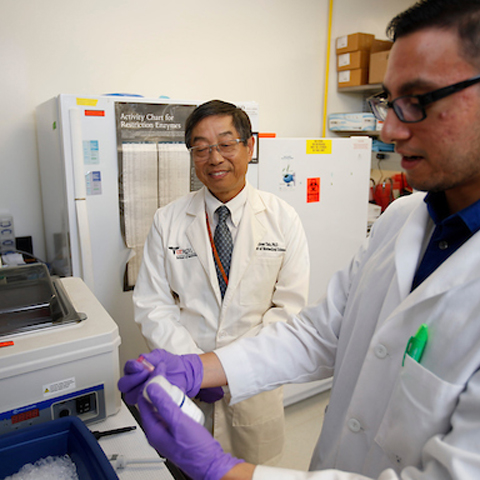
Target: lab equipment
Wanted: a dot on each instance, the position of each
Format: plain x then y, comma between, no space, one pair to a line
185,404
29,300
145,363
55,368
115,431
106,164
65,436
330,194
119,462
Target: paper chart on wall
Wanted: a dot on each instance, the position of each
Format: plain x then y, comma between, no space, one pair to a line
154,175
155,169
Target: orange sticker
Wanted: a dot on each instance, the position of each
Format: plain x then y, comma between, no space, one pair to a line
94,113
313,190
267,135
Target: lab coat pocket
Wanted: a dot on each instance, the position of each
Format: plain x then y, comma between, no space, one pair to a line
259,280
420,407
258,426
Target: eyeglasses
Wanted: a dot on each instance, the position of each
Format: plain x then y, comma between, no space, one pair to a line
411,108
228,148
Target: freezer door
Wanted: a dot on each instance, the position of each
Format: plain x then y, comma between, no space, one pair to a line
326,181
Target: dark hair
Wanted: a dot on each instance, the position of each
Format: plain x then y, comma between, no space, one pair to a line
462,16
240,119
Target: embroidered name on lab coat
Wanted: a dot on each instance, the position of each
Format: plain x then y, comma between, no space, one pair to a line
270,247
182,253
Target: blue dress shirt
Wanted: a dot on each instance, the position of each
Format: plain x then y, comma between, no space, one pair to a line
451,232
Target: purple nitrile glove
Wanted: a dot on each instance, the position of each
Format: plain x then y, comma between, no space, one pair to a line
183,441
210,395
184,371
131,384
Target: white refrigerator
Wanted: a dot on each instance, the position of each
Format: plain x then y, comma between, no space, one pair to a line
106,164
327,182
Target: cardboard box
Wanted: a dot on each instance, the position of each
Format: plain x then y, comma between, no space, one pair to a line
380,45
352,78
351,122
378,66
353,42
353,60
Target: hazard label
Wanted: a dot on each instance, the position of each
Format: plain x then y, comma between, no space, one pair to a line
319,147
313,190
59,387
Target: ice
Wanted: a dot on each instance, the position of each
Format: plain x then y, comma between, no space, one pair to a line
58,468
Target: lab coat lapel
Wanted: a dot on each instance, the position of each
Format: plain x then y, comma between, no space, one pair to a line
408,248
461,267
250,233
197,234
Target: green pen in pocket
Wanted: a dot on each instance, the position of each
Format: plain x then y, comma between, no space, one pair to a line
416,344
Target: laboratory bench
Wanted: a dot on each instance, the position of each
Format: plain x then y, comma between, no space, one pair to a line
132,447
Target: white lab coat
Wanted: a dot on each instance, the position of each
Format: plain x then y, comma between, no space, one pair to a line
385,421
179,307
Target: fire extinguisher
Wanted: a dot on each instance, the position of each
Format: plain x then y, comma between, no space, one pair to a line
384,193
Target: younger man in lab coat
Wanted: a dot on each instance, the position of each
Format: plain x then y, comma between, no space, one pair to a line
182,301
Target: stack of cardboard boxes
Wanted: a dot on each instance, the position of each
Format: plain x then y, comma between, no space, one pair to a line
361,59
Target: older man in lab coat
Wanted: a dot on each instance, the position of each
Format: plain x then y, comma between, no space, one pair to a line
182,301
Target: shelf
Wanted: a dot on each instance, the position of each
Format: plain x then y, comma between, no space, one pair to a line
375,87
350,133
366,90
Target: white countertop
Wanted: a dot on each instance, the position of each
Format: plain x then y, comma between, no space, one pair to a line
133,445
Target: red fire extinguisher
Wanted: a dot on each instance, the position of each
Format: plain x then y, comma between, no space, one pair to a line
383,195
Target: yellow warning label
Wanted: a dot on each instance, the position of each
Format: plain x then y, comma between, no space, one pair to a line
88,102
319,146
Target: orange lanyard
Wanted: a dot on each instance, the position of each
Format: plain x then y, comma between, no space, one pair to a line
215,253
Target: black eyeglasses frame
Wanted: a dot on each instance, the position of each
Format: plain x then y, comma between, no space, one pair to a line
423,99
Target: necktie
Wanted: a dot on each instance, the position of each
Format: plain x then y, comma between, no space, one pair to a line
224,245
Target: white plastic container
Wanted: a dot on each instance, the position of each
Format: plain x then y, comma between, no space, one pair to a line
179,397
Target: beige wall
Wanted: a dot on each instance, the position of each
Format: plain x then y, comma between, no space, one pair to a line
270,51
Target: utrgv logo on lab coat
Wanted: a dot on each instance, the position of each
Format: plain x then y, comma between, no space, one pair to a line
182,253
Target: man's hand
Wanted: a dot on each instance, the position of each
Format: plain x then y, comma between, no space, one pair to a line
210,395
182,440
184,371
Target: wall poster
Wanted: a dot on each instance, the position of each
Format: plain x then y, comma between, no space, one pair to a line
154,166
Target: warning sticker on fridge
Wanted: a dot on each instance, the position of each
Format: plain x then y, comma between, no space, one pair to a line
319,147
313,190
59,387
